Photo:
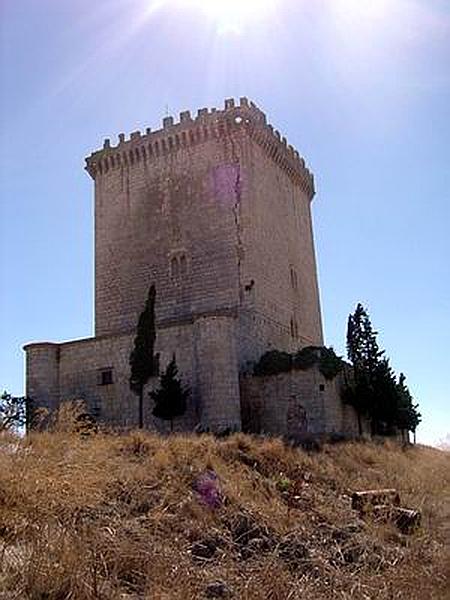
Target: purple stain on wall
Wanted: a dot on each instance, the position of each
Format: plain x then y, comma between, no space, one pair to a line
208,491
225,179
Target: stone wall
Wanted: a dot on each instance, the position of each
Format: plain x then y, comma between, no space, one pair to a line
73,371
281,298
274,404
287,404
42,374
166,219
217,372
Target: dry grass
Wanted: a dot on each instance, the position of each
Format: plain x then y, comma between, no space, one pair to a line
111,517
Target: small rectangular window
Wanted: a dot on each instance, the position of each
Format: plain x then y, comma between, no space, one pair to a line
105,377
294,278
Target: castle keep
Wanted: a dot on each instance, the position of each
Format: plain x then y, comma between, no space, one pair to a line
215,211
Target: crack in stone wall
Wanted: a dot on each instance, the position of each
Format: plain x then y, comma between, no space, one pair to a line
237,216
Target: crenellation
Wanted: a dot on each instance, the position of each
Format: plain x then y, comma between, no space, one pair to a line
185,116
244,124
215,124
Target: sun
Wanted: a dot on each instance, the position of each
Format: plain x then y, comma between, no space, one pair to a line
233,15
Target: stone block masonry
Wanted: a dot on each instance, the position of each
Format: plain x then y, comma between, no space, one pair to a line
214,210
203,208
295,403
75,371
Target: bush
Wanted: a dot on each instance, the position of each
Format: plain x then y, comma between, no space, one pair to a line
273,362
330,364
307,357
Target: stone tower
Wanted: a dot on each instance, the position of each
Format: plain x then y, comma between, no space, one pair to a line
215,211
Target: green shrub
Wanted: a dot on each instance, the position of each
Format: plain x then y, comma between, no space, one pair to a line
273,362
330,364
306,357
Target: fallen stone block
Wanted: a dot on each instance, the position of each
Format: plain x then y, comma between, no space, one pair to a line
366,500
407,520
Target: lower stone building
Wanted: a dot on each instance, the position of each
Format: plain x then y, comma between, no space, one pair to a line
295,404
96,370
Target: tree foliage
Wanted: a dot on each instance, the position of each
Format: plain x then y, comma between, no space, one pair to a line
171,396
275,362
142,360
330,364
408,417
14,411
374,390
306,358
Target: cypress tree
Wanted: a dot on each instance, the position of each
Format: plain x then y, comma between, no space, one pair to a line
142,362
408,417
171,397
371,372
364,354
384,405
374,391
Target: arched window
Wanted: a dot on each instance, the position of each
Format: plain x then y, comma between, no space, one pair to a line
179,266
183,264
174,268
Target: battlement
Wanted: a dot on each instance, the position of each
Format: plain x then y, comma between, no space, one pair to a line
209,124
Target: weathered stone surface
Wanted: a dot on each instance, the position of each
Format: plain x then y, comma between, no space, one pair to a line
296,404
367,499
407,520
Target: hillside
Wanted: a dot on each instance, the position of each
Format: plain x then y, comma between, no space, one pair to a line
139,516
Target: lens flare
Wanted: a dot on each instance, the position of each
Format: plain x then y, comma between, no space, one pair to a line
233,15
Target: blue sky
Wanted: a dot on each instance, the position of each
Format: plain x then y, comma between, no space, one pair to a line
360,87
